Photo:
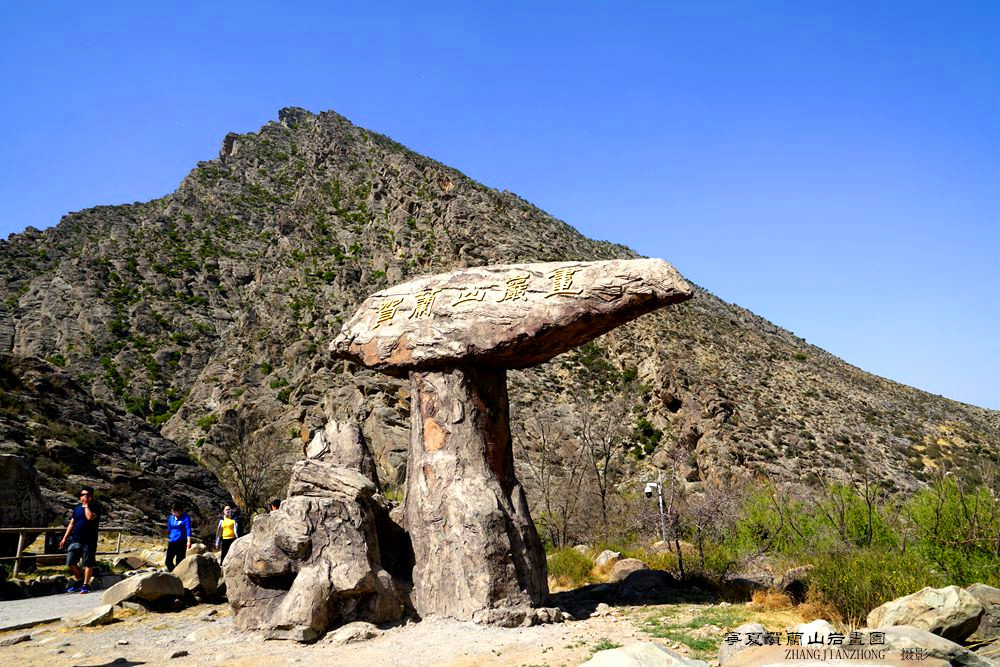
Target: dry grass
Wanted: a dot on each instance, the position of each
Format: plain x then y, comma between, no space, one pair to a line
770,601
817,606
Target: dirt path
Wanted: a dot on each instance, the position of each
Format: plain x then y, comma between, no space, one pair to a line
26,613
153,638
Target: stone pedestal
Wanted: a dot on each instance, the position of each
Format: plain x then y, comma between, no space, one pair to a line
474,543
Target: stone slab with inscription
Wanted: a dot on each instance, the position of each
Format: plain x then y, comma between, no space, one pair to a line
476,553
510,316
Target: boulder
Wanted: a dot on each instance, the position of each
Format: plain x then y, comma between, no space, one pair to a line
519,616
607,558
728,650
354,632
197,548
625,567
582,549
641,654
200,574
950,612
647,586
54,585
149,587
985,595
814,630
129,563
15,639
154,556
989,625
899,637
314,563
100,615
21,501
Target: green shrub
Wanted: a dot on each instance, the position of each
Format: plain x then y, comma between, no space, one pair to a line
570,567
159,420
956,529
646,437
857,581
604,645
52,468
207,422
661,559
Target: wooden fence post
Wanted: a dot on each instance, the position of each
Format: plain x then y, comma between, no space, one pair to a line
17,556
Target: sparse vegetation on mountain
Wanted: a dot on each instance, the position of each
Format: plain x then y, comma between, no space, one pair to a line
206,313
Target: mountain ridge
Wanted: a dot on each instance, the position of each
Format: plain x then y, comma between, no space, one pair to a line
206,312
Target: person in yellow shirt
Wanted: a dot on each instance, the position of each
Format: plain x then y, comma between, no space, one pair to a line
226,532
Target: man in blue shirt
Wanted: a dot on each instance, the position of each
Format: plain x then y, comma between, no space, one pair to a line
178,535
82,535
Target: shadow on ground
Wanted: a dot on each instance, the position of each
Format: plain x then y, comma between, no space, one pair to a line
640,588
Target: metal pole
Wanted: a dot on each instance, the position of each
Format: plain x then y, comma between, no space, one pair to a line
663,514
17,557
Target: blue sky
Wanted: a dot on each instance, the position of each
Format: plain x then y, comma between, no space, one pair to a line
832,166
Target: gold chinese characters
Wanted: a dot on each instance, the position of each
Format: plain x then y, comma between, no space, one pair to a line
514,288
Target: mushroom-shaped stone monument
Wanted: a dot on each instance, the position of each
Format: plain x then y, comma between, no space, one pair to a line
455,335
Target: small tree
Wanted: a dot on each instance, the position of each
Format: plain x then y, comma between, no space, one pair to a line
605,439
958,528
252,464
555,464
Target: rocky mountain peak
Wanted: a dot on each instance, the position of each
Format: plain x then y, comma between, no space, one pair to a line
206,314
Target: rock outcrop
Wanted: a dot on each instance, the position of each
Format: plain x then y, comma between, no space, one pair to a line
343,445
315,563
21,501
72,438
504,317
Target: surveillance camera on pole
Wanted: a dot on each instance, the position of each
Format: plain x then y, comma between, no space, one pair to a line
657,487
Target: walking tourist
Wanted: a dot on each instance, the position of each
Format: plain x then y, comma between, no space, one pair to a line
226,532
82,535
178,535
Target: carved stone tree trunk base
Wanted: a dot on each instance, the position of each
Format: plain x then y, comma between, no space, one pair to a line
474,543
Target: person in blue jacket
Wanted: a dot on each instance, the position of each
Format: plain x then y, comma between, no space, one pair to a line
178,535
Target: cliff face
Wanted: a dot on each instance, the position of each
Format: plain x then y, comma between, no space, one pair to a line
73,440
207,314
